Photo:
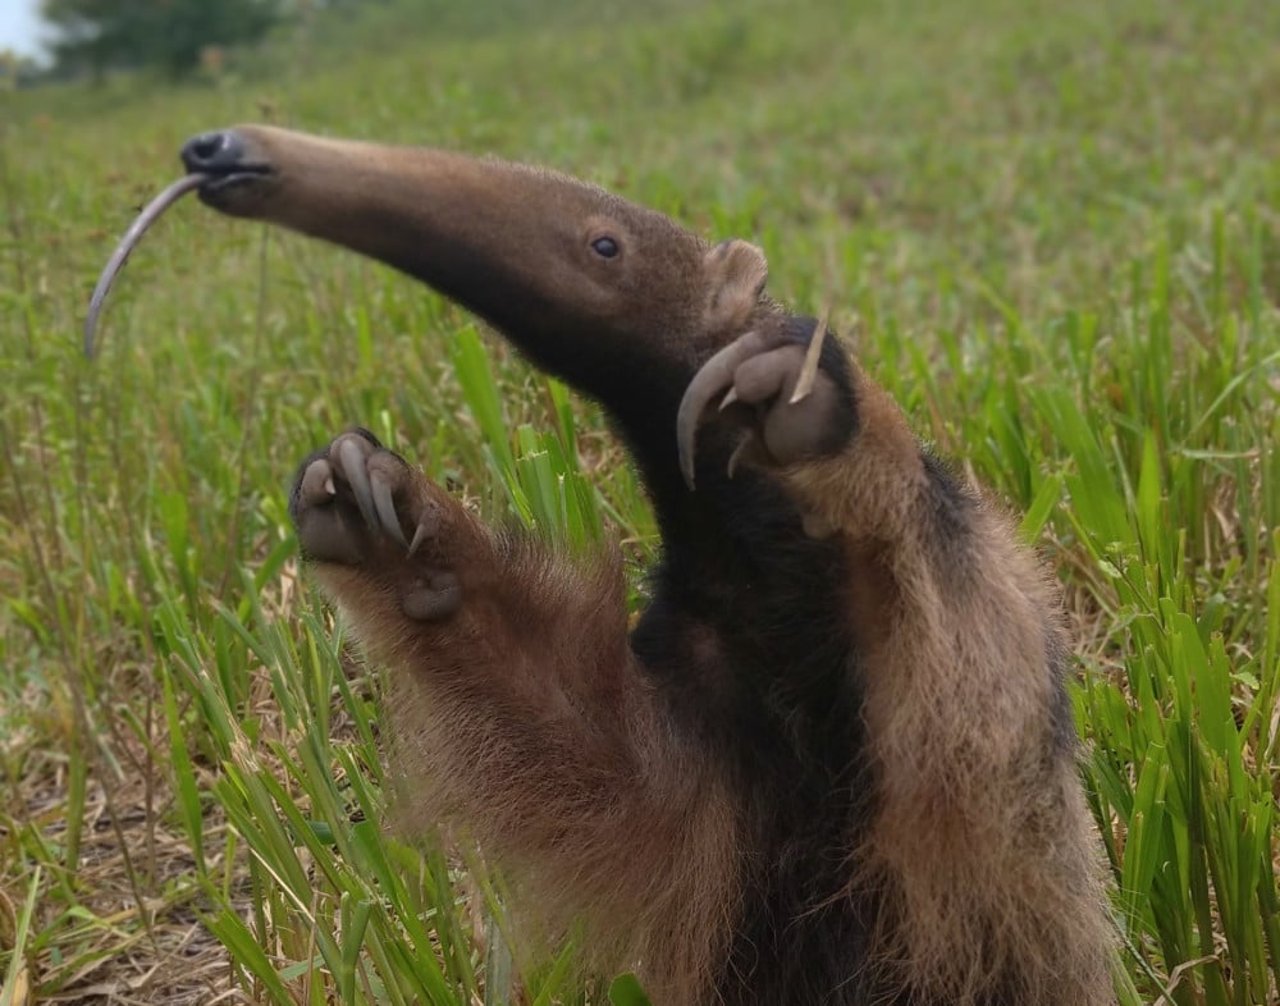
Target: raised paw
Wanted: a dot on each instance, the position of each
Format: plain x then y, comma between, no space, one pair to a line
792,398
355,503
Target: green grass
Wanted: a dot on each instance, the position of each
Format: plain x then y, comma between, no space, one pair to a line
1052,233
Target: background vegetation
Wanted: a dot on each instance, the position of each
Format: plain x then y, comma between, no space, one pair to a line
1051,230
173,35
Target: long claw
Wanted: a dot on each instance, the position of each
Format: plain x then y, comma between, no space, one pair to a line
730,397
386,508
353,467
712,378
127,243
809,368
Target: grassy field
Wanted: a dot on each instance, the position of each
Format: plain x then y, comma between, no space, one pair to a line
1052,233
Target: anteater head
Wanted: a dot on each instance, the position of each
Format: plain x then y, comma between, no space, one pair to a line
590,286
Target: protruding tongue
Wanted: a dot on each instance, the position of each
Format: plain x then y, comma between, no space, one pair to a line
132,236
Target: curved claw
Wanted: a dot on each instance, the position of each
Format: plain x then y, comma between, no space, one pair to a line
420,534
386,509
712,378
353,468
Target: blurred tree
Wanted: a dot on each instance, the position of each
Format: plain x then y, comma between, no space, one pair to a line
99,35
17,70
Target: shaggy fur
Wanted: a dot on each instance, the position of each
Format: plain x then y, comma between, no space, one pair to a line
833,762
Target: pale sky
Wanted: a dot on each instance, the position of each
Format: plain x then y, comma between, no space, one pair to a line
20,28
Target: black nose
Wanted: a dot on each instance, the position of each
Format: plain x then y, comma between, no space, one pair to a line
214,153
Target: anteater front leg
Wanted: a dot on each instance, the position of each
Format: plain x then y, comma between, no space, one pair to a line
521,716
980,839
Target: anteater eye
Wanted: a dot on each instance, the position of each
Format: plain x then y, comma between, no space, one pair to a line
605,247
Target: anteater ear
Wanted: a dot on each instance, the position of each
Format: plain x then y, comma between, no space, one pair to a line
735,274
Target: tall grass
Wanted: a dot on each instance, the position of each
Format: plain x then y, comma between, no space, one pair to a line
1050,231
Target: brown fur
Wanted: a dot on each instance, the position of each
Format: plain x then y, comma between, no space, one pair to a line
616,792
523,723
979,828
